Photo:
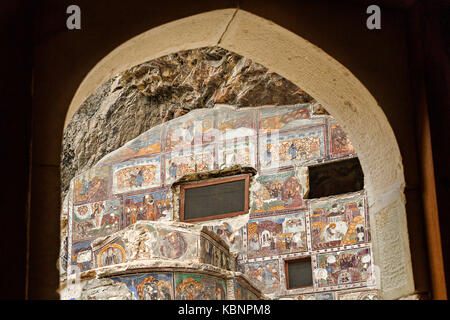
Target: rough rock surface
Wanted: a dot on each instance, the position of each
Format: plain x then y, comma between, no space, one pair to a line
160,90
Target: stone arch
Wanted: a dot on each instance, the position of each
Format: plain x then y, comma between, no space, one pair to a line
330,83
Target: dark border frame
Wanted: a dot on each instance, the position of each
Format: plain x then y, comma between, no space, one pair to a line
245,177
286,271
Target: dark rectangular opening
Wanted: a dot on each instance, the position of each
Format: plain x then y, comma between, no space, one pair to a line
298,273
335,178
214,199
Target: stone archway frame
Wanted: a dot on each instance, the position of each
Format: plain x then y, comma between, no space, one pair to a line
325,79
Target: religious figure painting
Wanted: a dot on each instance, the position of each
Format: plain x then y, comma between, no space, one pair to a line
292,147
111,254
338,222
137,174
179,163
91,185
175,244
153,205
264,273
212,254
96,219
343,267
190,286
277,193
275,235
149,286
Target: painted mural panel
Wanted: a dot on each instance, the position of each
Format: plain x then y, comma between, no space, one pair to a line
237,151
266,274
137,174
212,254
189,130
233,237
343,267
189,286
278,192
284,118
180,163
292,147
96,219
82,256
153,205
340,144
111,254
235,124
242,293
91,185
338,222
149,286
175,245
275,235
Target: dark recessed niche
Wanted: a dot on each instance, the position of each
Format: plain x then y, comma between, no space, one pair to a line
214,199
298,273
335,178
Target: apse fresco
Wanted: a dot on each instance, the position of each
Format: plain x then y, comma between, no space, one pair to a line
124,210
190,286
149,286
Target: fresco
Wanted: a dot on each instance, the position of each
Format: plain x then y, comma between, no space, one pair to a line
235,124
154,206
276,235
96,219
190,286
149,286
283,118
176,245
82,255
91,185
237,151
278,192
343,267
111,253
358,295
212,254
137,174
179,163
265,273
293,147
340,144
338,222
187,131
241,293
234,238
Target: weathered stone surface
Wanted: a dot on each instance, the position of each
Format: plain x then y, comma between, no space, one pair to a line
163,89
105,289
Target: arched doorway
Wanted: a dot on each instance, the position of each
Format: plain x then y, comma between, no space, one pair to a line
324,78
